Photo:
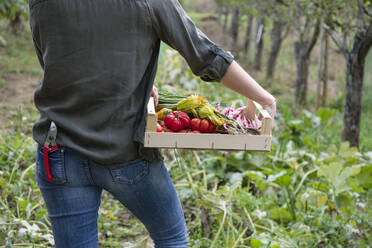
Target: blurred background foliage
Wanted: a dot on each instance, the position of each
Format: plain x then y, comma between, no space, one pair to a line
312,190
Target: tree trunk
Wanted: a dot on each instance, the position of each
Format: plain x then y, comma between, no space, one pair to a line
303,48
248,33
276,42
234,31
323,101
17,25
353,104
220,15
325,82
320,71
260,45
302,64
355,62
224,27
321,89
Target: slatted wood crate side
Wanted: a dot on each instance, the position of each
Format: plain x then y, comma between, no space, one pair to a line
248,142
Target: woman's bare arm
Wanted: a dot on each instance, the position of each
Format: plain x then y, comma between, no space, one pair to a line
237,79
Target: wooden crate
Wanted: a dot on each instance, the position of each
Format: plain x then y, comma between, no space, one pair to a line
247,142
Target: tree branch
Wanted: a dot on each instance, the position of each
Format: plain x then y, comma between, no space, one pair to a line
307,27
365,9
336,40
283,3
366,44
288,28
361,20
314,37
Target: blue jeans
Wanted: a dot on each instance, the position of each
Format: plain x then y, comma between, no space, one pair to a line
74,196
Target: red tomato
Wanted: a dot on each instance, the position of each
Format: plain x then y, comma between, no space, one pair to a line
195,124
167,130
205,126
159,128
185,119
212,128
183,131
177,120
195,131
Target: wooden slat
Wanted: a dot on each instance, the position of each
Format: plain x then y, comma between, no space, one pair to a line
152,118
151,106
263,111
266,121
208,141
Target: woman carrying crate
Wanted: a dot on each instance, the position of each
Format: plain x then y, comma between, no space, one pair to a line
99,60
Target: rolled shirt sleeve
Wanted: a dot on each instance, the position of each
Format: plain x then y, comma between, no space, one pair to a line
175,28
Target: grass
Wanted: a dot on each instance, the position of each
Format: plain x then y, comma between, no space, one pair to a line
18,55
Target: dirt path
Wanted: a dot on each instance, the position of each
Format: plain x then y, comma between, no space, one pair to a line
15,93
210,25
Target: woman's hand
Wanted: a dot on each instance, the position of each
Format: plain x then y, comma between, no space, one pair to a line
272,111
250,111
155,95
237,79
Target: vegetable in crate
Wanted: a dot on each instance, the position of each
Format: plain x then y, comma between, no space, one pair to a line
189,104
162,113
177,120
203,126
169,101
159,128
236,121
231,120
208,112
200,108
239,115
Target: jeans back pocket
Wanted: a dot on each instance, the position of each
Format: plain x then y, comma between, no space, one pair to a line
131,173
56,165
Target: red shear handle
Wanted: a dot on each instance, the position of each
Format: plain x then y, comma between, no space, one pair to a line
46,160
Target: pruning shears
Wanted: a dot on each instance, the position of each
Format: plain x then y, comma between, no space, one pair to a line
49,146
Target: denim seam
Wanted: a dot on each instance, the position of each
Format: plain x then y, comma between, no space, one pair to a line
182,219
133,181
74,213
64,177
87,172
